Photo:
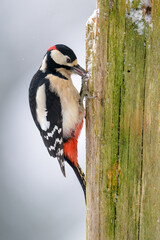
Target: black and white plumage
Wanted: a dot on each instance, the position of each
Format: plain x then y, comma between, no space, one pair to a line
56,107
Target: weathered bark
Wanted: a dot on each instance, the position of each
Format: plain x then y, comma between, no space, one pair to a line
123,122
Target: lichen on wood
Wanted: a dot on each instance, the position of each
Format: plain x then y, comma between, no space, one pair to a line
123,121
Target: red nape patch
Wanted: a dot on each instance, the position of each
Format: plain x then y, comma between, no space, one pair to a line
52,48
70,147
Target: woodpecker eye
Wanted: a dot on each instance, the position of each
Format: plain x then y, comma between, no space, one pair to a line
68,60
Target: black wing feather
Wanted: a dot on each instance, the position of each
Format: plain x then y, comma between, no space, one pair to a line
53,136
54,116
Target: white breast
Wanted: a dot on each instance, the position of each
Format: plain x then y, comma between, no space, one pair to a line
70,111
69,101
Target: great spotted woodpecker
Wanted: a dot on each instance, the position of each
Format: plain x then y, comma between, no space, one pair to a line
57,107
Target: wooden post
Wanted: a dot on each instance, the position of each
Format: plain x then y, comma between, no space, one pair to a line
123,121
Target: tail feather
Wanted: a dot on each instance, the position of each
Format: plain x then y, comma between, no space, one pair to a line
62,166
80,175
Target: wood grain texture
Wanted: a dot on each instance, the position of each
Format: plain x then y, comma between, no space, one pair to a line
123,123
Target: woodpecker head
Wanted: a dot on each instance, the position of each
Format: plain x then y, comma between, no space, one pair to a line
61,57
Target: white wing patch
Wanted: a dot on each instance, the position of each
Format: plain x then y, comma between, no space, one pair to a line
59,152
56,141
41,108
50,134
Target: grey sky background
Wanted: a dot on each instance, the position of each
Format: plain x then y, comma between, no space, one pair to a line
36,201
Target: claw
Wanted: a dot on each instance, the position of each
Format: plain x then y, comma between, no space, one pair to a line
84,91
85,78
90,97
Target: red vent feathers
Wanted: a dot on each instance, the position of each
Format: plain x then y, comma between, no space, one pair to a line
70,147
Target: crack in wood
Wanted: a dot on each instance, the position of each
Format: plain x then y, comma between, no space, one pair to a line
118,151
117,167
142,141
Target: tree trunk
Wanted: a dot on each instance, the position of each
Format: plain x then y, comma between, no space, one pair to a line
123,121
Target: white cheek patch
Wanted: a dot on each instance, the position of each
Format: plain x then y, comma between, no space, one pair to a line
59,58
41,108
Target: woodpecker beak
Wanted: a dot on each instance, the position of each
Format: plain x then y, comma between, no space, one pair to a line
79,70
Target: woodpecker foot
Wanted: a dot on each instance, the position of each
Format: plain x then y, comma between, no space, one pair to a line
84,93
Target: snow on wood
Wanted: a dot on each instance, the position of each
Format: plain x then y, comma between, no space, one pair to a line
92,30
140,15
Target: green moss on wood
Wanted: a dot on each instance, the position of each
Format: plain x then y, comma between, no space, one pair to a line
123,136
